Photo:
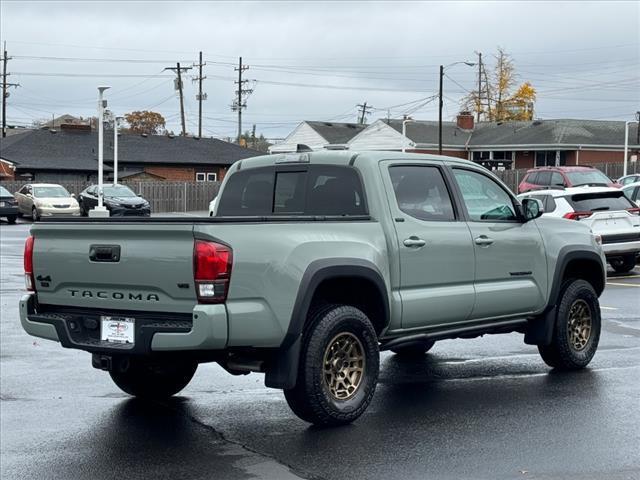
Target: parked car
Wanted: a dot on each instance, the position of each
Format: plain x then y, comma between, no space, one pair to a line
37,200
629,179
312,264
8,205
607,211
563,177
120,200
632,192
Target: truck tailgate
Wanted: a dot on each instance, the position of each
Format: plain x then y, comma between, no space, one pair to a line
129,266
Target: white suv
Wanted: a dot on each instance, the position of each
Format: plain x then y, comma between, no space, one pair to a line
607,211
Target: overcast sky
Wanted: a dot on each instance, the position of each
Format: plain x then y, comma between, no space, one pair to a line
315,60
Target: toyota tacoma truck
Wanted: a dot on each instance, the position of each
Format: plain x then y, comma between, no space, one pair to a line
311,264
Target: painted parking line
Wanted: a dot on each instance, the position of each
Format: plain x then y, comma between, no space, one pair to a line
607,308
618,284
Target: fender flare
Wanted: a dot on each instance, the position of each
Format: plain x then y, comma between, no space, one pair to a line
283,370
540,328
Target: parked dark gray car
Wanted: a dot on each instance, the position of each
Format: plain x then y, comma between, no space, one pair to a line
8,205
120,200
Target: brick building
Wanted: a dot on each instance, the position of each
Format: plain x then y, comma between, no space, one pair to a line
522,144
71,152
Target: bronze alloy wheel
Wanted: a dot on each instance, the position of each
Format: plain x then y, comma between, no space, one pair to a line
579,325
343,365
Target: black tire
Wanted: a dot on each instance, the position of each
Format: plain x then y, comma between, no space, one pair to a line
83,210
311,398
627,264
11,219
414,350
34,214
153,381
562,353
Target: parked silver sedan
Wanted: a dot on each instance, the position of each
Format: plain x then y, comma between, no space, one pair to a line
45,200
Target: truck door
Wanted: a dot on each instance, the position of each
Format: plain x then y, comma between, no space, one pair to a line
434,245
511,266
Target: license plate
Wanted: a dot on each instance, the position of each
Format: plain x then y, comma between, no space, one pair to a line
117,329
2,204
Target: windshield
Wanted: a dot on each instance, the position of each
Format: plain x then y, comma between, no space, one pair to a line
590,202
588,177
4,192
117,191
50,192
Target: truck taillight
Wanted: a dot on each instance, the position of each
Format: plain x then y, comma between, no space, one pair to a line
211,271
577,215
28,264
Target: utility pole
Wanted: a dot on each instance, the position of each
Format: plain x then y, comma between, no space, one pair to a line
178,69
200,96
5,94
239,103
440,112
364,111
479,87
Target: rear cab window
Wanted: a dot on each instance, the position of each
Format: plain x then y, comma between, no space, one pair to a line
318,190
588,177
600,201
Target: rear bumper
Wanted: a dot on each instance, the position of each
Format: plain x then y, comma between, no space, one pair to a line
204,330
615,249
5,211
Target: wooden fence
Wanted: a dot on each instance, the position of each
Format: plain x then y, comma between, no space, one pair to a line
163,196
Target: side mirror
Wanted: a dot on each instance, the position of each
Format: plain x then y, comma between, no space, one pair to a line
532,208
139,194
73,195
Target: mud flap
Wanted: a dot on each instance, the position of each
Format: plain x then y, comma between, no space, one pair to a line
540,329
283,371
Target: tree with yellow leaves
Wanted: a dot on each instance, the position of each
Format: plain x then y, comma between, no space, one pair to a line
150,123
496,100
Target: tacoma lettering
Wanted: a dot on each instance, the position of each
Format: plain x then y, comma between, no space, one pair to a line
149,297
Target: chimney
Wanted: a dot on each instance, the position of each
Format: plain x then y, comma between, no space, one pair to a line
465,121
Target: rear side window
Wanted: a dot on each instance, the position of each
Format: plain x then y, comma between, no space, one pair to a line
589,202
544,178
556,179
532,178
422,193
313,190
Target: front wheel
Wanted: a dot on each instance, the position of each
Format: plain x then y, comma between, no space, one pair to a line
338,368
577,329
153,381
625,264
11,219
34,214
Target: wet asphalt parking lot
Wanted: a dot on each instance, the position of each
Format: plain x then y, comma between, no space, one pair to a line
486,408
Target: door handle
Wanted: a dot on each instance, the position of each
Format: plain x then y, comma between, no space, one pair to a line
414,241
483,241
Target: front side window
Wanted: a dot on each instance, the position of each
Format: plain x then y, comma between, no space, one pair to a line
557,180
421,192
484,198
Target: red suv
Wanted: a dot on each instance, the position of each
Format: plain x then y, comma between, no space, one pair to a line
562,177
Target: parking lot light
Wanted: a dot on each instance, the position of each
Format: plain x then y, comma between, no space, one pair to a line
100,210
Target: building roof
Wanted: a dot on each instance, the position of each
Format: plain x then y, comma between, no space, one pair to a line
77,150
426,132
336,133
542,133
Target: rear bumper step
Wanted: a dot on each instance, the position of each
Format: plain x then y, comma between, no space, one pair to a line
204,329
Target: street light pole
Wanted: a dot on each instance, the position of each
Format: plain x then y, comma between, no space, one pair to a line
100,210
440,101
626,144
115,149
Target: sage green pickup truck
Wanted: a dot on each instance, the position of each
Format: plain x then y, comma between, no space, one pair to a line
312,264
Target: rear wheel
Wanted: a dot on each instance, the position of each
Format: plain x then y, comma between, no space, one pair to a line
414,349
83,209
11,219
153,380
338,368
577,329
625,264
